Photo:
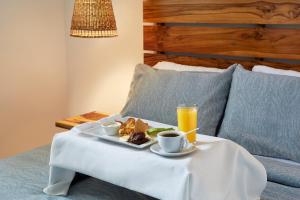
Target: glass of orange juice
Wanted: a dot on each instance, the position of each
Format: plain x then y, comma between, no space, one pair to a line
187,120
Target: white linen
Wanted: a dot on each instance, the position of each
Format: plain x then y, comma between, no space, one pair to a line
164,65
270,70
218,170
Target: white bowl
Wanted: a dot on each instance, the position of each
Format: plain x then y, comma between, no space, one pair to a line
110,128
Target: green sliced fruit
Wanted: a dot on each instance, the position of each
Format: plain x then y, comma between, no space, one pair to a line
155,131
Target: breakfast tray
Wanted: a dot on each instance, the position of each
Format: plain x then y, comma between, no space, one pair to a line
94,129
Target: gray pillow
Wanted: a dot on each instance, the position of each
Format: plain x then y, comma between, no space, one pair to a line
155,94
263,114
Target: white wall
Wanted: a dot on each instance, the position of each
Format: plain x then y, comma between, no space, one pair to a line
100,70
32,73
46,75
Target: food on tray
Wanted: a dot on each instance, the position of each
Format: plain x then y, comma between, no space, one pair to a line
135,130
111,128
138,132
111,124
138,138
154,131
132,126
140,126
127,128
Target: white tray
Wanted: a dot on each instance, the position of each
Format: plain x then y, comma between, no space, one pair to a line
117,139
95,130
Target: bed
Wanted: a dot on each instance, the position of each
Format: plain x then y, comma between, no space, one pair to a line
217,34
24,176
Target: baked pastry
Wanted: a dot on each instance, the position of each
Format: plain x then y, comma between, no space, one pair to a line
127,128
140,126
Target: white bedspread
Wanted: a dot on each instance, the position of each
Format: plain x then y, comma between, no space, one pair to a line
218,170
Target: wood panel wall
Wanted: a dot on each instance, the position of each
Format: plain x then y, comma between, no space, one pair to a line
251,30
222,11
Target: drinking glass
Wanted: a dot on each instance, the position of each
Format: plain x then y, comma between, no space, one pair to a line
187,120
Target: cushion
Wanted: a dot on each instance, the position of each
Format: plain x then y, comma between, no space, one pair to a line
281,171
164,65
270,70
275,191
263,113
155,94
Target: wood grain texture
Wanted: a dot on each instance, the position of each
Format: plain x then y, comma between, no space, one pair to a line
225,11
70,122
152,59
247,42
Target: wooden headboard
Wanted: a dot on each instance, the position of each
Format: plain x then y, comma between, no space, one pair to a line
217,33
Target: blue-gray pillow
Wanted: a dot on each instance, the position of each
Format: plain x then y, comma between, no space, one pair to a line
263,114
155,94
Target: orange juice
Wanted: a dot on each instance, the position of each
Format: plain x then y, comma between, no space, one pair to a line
187,120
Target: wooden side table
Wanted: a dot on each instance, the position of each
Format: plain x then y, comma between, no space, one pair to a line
70,122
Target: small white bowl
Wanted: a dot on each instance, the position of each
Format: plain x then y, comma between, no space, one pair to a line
110,128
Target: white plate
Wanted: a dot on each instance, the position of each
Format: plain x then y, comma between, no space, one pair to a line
155,148
120,140
95,130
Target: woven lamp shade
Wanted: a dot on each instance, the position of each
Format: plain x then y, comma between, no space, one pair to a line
93,19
